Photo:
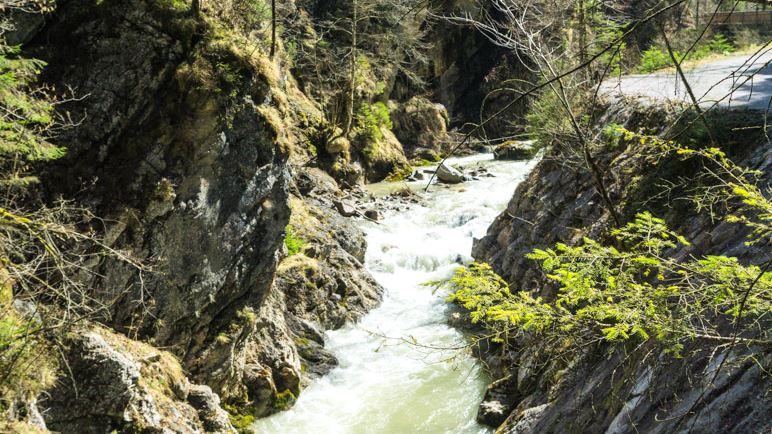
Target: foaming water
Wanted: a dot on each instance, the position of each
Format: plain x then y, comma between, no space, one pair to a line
385,383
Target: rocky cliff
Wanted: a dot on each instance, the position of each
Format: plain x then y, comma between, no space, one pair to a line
629,389
189,145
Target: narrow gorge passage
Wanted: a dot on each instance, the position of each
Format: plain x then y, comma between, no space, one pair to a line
384,385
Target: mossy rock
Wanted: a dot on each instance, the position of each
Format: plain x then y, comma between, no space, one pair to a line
514,150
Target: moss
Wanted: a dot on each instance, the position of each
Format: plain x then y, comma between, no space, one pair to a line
240,420
22,347
302,342
284,400
164,190
222,339
309,266
400,173
420,162
6,288
248,315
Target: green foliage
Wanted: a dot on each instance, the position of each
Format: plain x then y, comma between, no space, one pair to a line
657,57
608,31
241,421
612,133
634,292
720,44
284,400
293,242
547,120
400,173
370,119
230,78
728,186
26,120
27,365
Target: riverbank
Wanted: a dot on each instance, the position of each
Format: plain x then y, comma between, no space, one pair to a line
391,363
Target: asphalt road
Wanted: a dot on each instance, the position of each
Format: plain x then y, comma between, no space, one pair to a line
735,81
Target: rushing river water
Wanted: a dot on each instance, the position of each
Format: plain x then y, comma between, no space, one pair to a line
383,384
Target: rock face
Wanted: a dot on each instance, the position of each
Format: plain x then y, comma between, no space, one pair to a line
191,175
468,72
422,127
118,384
321,287
606,391
187,148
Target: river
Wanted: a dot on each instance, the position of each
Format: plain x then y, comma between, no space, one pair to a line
390,379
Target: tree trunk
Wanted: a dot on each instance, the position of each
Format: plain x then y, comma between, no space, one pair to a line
352,72
697,16
582,18
196,7
273,28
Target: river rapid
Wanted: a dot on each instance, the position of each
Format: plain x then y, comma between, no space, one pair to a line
391,378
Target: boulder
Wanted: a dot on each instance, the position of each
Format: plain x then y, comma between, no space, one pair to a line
345,209
213,417
514,150
383,157
422,127
373,214
449,175
117,384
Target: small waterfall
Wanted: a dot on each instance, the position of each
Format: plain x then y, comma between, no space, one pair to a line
384,384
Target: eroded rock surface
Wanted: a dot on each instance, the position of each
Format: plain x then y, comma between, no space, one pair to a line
117,384
603,390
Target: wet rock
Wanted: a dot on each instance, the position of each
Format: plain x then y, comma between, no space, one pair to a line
501,397
416,176
449,175
307,330
514,150
525,421
373,214
345,208
316,359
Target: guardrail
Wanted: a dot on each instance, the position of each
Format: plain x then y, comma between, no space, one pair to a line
761,19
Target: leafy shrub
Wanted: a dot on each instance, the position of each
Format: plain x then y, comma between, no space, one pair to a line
653,59
371,117
618,294
657,57
547,121
747,37
720,44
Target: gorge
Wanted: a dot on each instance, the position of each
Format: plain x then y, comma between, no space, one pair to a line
371,216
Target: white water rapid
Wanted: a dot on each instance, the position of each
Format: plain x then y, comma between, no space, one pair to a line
384,385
